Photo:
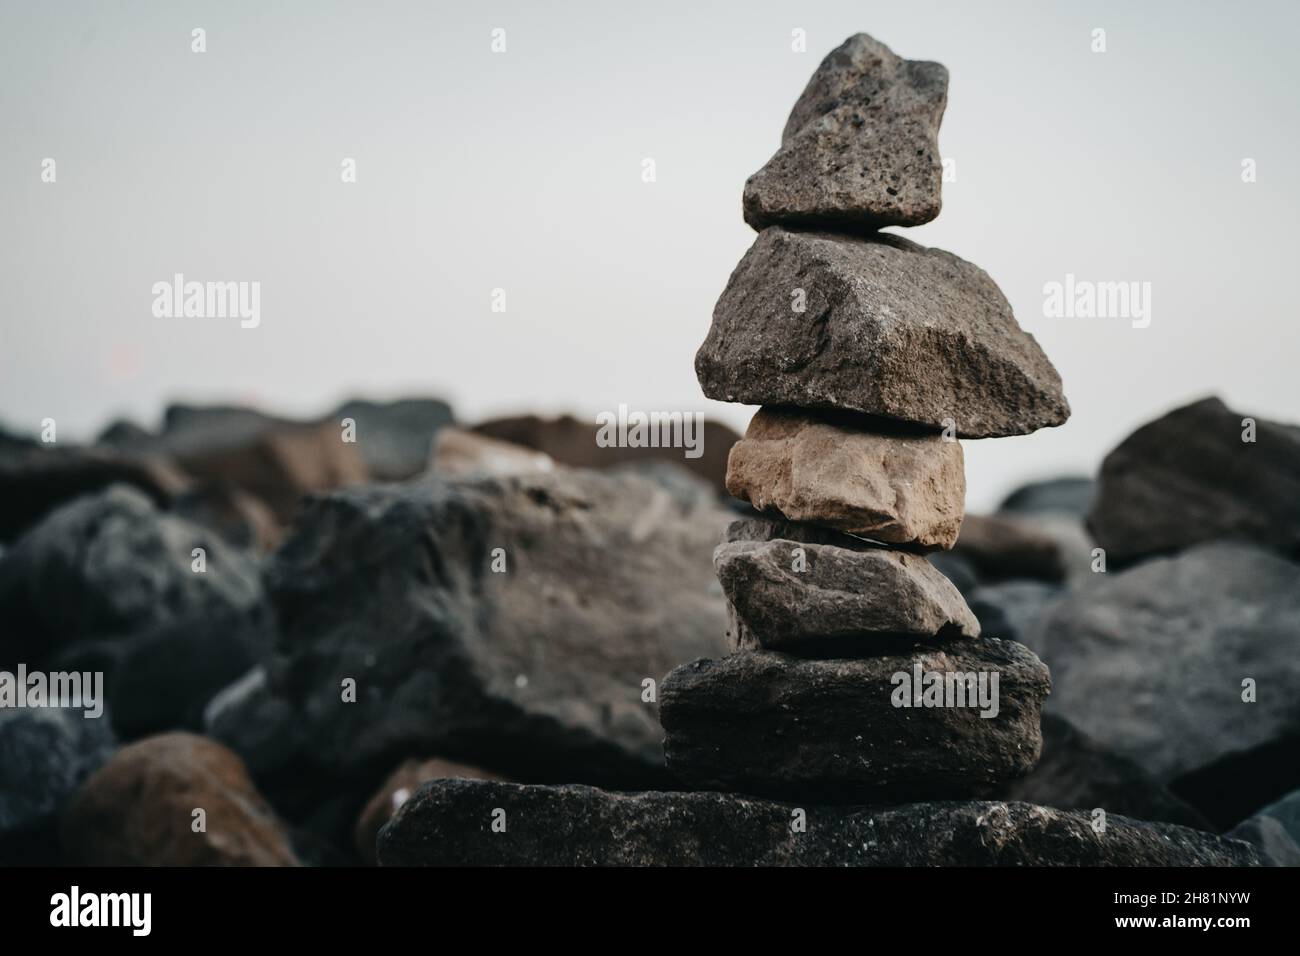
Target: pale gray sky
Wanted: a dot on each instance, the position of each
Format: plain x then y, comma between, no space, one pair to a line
523,171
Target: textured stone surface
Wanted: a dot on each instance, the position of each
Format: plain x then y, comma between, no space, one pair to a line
816,598
1077,773
1275,830
111,565
861,147
138,810
889,329
536,670
1004,546
1188,477
397,789
45,754
1150,663
905,490
828,730
449,823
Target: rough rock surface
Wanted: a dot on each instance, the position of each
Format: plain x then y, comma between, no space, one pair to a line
814,598
829,730
449,823
889,329
138,810
1003,546
536,670
1150,662
1275,830
1077,773
397,789
1189,477
907,490
571,442
861,147
112,565
45,754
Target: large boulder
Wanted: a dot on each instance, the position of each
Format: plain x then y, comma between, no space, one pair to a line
451,823
933,723
1190,477
140,809
111,565
1275,830
508,621
905,490
1076,773
1188,666
861,147
888,328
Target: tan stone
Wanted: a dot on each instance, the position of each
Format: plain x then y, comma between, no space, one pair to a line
906,490
466,454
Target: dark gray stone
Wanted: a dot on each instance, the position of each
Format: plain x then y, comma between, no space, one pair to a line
890,329
828,731
1188,477
793,596
537,671
112,565
1069,496
449,823
861,147
396,438
1012,610
1275,830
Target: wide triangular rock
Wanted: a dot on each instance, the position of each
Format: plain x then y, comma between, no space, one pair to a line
860,149
877,325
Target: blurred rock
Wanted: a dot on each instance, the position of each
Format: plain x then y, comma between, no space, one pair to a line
1275,830
448,823
956,569
571,442
240,518
397,789
1189,477
139,810
45,754
828,731
1076,773
904,490
1002,546
1151,663
462,454
1013,610
535,669
1068,496
861,147
38,480
112,565
396,438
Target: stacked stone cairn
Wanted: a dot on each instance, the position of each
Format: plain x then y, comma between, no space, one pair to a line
859,674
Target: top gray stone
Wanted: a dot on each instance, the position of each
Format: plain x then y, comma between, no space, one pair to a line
861,147
889,329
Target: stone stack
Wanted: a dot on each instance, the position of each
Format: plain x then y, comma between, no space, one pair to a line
858,675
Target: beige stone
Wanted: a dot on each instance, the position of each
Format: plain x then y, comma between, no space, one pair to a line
901,489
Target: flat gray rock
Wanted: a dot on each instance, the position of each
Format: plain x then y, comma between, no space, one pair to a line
889,329
861,147
1150,662
811,598
450,823
832,731
536,669
1189,477
905,490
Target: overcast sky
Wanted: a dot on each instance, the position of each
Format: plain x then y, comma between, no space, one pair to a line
523,171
